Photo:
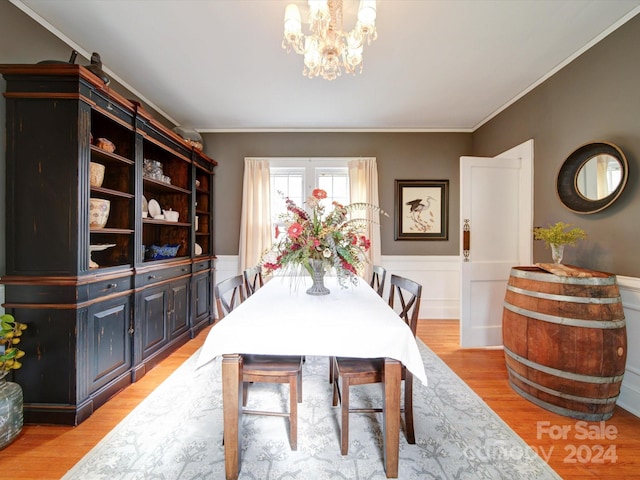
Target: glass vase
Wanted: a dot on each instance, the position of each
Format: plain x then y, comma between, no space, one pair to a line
557,251
10,411
317,275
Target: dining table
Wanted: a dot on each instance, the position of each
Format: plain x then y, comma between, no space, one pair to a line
282,319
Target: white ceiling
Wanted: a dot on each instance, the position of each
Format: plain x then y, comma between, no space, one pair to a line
218,65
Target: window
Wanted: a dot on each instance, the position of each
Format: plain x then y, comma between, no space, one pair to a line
296,179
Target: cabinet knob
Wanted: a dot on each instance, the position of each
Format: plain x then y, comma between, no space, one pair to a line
131,331
151,277
112,285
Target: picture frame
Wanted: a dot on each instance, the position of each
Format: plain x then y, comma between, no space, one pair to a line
422,209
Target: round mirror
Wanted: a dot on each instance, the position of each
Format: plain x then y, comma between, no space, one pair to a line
592,177
599,177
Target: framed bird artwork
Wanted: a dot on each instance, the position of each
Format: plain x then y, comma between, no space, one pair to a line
422,209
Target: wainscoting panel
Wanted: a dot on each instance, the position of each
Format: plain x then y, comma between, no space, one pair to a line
440,280
438,275
630,392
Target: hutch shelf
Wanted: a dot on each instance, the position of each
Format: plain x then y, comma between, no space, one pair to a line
104,303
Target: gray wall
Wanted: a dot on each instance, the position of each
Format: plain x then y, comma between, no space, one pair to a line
420,156
595,98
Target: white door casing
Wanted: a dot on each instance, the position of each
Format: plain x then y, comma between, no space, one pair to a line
496,205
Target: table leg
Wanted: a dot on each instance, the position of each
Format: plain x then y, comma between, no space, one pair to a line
232,411
392,380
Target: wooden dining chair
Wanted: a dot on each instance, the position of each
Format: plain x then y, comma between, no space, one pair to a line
264,368
253,279
360,371
378,277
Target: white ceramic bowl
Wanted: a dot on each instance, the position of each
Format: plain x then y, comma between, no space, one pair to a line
96,174
171,215
98,212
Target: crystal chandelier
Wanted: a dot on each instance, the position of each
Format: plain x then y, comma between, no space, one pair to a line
329,49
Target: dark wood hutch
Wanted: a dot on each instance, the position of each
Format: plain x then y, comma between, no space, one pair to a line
94,330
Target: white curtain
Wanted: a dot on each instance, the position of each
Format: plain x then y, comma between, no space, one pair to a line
363,185
255,220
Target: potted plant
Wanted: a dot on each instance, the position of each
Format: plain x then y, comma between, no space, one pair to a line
557,236
10,393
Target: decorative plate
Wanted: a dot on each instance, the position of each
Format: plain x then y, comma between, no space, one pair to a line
100,247
145,204
154,208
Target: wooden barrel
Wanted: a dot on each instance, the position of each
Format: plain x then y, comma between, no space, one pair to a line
565,341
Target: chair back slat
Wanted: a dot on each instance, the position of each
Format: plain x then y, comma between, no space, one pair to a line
253,279
409,294
229,294
378,278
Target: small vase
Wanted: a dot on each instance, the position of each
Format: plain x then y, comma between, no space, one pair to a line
10,412
317,275
556,252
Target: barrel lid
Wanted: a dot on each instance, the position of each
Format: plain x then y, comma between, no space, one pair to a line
534,272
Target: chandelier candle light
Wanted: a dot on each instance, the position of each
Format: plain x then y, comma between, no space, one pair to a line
329,49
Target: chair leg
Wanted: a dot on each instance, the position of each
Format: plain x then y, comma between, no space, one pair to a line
344,401
332,370
245,391
299,384
408,408
336,394
293,413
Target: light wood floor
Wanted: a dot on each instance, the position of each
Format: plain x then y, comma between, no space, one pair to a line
47,452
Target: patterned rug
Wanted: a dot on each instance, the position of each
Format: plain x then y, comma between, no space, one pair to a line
176,433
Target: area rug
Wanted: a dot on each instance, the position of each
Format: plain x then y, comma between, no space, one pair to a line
176,433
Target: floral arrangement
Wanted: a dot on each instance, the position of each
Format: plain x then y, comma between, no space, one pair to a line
559,235
10,332
335,239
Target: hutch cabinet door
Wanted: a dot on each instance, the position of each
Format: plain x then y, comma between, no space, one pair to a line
109,341
202,297
152,328
179,310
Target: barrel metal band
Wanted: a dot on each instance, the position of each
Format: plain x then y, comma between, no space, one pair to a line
592,417
556,393
572,322
562,373
565,298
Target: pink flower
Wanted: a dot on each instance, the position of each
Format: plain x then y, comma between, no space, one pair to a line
295,230
319,193
277,231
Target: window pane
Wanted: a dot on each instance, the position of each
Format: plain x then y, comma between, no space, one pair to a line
290,181
285,182
335,181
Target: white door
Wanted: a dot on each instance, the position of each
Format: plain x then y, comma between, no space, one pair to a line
496,211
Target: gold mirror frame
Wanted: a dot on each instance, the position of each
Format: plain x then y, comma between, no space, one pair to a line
567,179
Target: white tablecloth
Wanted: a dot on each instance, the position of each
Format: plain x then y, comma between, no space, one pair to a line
280,318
